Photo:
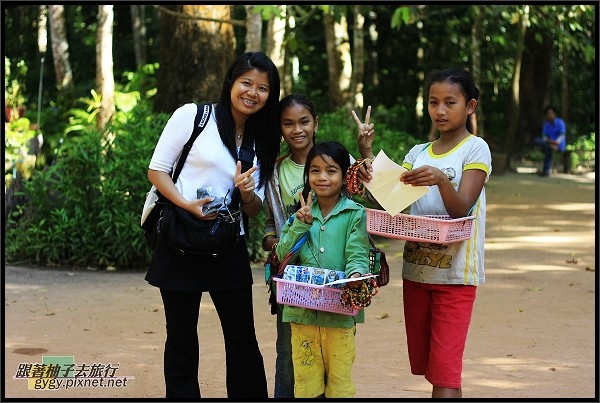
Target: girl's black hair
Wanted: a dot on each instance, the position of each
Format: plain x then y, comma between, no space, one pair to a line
334,150
457,76
262,126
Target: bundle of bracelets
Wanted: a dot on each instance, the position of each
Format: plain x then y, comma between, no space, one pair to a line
354,186
361,297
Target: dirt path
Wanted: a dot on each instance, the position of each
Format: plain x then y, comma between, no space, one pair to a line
532,335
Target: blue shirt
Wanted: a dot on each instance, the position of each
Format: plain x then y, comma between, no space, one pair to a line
557,132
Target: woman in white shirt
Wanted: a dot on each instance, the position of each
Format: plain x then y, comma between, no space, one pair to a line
247,108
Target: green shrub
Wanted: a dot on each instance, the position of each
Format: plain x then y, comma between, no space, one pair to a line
85,208
16,146
61,204
583,151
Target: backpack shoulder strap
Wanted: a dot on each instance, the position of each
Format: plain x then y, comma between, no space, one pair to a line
246,157
202,117
246,154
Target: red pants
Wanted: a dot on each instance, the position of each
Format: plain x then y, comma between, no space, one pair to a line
437,318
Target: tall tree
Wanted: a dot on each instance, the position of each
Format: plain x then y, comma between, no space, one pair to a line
105,81
277,31
42,48
536,70
358,57
194,54
513,114
253,29
476,35
564,99
43,29
138,27
339,64
413,18
60,46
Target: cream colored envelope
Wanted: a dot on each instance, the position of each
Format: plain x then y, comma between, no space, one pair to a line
393,195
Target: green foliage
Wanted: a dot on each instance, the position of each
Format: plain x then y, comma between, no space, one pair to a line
85,208
583,151
403,15
254,242
14,86
268,12
61,202
125,182
17,136
142,81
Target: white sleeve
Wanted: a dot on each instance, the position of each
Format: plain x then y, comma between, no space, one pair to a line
411,156
479,157
176,133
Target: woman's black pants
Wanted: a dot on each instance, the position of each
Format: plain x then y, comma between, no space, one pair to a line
244,363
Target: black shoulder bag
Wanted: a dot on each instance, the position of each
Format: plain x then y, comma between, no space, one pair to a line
188,234
155,200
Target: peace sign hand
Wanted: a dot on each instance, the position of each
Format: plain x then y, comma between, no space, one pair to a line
304,213
244,180
366,134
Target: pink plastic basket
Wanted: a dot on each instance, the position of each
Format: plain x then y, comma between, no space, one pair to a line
318,297
428,228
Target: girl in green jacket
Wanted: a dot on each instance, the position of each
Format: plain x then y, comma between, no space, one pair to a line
323,347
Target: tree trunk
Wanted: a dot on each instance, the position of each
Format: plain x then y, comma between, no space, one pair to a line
564,93
60,47
536,71
373,56
333,62
43,29
105,81
480,12
357,84
42,48
420,104
277,31
513,114
138,27
339,64
194,56
253,30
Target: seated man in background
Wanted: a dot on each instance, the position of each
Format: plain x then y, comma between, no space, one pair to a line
554,137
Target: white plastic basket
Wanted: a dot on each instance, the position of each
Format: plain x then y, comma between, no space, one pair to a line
429,228
318,297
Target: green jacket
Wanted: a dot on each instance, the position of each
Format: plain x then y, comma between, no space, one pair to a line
339,242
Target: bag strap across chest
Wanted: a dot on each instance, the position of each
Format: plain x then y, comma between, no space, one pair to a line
246,157
202,117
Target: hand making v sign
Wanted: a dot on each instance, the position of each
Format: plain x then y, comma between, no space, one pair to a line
365,130
366,135
304,213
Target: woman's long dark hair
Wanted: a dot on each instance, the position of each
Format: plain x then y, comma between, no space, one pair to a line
262,126
465,81
334,150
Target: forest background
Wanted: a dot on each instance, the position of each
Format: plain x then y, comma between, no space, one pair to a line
88,89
